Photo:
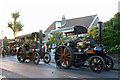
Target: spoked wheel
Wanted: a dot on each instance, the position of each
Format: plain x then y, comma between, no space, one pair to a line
64,56
47,58
8,52
96,63
36,58
21,55
108,63
12,53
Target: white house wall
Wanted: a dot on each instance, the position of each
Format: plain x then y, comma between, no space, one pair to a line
94,22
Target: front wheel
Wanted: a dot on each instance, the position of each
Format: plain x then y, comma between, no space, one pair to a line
47,58
8,52
12,53
96,63
36,57
108,63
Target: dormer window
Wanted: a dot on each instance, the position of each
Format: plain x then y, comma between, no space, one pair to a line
58,24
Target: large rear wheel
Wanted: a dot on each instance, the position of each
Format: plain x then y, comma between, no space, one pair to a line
21,55
96,63
64,56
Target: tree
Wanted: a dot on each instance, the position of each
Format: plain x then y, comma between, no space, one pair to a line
111,38
15,26
114,22
5,43
54,39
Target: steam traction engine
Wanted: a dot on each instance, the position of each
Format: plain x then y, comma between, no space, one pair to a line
32,48
77,52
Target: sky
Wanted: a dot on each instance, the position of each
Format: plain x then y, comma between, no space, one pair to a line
40,14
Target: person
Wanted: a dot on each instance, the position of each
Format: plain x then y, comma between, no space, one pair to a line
0,51
44,48
92,42
8,51
3,54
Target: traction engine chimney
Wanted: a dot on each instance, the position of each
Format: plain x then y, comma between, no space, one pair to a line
40,36
100,32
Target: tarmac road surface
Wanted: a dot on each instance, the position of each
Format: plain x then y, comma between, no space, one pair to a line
11,68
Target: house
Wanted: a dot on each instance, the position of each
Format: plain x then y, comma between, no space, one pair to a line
87,21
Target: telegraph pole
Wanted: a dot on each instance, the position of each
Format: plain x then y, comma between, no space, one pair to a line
2,41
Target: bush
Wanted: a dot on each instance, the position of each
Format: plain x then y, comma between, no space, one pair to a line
111,38
114,50
5,43
114,22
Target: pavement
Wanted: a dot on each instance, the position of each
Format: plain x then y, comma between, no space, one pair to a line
1,76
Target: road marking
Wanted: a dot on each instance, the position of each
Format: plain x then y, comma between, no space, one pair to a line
77,77
71,76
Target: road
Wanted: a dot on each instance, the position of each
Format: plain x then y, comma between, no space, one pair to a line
11,68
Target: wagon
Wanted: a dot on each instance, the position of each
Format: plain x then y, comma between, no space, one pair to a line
32,48
80,51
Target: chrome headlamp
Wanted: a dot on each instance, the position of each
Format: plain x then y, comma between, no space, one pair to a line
68,44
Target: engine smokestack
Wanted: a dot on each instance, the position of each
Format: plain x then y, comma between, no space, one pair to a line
100,32
40,36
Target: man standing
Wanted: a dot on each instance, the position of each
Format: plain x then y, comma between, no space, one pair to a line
92,42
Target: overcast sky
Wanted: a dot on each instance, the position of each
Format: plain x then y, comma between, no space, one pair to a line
39,14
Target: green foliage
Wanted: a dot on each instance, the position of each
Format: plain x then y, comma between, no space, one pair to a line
19,26
94,32
115,49
15,15
111,38
54,39
15,26
114,22
111,34
5,43
10,26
